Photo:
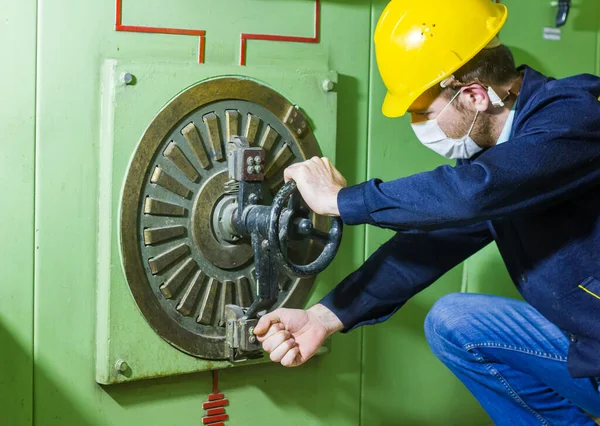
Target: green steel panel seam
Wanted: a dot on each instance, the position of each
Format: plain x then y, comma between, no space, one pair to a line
366,234
34,195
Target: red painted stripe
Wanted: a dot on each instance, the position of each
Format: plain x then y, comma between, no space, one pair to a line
201,49
215,377
279,38
209,420
215,396
317,21
215,411
294,39
217,424
243,51
158,30
118,11
214,404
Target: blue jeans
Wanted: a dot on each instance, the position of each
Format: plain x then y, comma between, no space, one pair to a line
512,359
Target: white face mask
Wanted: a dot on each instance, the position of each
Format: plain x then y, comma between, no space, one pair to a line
432,136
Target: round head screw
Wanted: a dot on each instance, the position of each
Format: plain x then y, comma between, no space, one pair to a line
328,85
127,78
121,366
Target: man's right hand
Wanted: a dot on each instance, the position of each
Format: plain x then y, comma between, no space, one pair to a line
293,336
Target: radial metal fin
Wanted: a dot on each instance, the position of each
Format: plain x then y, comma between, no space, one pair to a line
207,304
283,156
176,155
162,208
251,131
211,121
192,136
154,236
188,301
162,178
172,285
269,138
160,262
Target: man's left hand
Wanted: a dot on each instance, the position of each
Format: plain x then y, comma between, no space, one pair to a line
319,183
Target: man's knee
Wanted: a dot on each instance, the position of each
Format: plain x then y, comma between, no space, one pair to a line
449,320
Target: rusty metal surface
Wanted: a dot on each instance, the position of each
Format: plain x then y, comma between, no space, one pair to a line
182,280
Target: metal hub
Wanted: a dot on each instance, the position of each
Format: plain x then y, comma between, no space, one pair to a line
206,237
222,220
182,261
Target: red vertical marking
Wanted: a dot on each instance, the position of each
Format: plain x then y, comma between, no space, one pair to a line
269,37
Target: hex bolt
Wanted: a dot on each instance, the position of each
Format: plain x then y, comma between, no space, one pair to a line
127,78
250,170
258,169
327,85
253,199
252,337
257,160
250,161
122,366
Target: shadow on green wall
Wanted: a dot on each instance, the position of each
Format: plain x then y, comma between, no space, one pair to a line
16,378
416,388
580,12
351,164
523,57
285,389
487,274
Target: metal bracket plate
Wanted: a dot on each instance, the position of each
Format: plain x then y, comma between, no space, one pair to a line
122,331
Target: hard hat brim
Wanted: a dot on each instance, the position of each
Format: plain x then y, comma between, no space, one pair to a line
394,106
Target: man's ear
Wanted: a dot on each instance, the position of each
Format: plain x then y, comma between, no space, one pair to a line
475,97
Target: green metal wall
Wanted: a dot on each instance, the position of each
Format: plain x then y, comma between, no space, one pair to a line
74,40
382,375
17,172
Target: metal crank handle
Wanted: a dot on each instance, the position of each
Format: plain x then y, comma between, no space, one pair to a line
332,239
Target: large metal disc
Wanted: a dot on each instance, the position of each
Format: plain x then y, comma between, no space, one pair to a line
180,270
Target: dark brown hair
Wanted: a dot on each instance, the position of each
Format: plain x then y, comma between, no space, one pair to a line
493,67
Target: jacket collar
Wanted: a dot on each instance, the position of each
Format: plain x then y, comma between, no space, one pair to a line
533,82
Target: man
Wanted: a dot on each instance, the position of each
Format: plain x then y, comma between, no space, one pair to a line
527,176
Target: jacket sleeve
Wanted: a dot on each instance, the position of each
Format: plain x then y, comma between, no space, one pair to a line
555,156
408,263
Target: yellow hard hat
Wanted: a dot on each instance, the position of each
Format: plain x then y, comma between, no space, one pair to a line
419,43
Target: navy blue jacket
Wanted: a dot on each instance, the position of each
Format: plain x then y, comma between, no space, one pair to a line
537,195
